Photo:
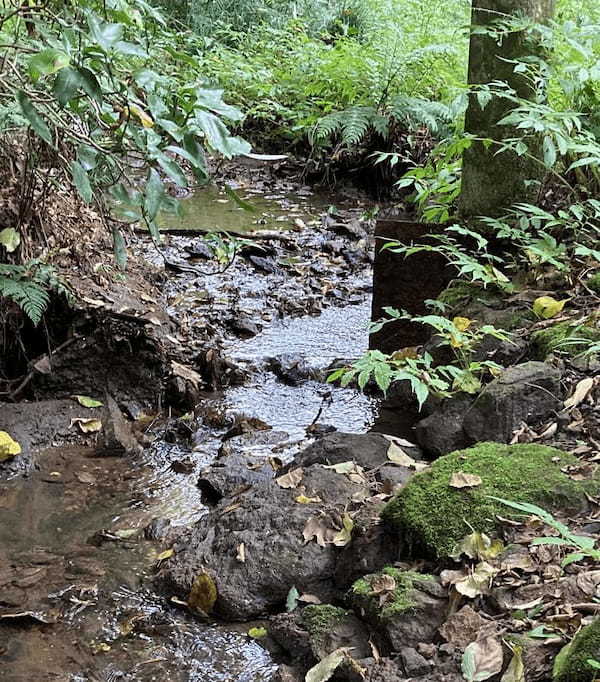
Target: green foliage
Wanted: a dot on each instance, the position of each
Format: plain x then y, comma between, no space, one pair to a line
433,517
584,545
28,286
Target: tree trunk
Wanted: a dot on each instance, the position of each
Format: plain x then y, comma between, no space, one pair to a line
492,183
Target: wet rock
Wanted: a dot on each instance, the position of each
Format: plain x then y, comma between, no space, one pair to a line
269,522
158,529
289,631
384,670
36,426
116,438
286,673
230,474
406,607
524,393
431,515
293,369
264,264
368,450
199,249
244,326
442,431
370,549
414,664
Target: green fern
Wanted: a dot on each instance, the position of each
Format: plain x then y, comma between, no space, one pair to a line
350,125
29,285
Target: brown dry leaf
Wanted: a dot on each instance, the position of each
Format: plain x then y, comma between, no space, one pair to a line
87,425
187,374
85,477
309,599
383,583
291,479
461,480
548,432
317,528
581,392
483,659
241,552
396,455
478,546
203,594
464,626
471,582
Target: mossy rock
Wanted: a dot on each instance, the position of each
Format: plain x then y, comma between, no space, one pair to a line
563,337
330,628
571,664
414,608
318,619
593,283
458,294
432,517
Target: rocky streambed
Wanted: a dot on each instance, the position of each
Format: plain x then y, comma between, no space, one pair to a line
266,525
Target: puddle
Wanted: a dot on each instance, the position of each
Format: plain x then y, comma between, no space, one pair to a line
212,210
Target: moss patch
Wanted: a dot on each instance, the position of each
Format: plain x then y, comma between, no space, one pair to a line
571,664
402,598
562,337
320,618
458,294
433,517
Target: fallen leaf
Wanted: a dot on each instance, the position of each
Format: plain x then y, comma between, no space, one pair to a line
291,479
203,594
546,307
345,535
167,554
241,553
470,582
396,455
482,659
383,583
462,480
10,239
9,448
462,627
291,602
581,392
302,499
87,425
84,401
125,533
317,528
187,374
478,546
257,633
309,599
343,467
85,477
516,670
324,670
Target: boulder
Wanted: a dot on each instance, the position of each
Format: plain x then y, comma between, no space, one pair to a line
572,663
404,606
116,437
524,393
431,514
442,431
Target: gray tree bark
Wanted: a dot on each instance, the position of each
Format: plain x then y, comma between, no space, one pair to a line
492,183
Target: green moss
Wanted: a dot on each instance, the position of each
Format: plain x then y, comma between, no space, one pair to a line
320,618
402,599
433,517
563,337
459,294
593,283
571,664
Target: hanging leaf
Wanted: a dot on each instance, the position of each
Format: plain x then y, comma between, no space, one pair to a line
47,62
291,603
10,239
154,195
119,249
9,448
66,85
35,120
547,307
173,170
82,182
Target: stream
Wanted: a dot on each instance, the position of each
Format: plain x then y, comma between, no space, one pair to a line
80,606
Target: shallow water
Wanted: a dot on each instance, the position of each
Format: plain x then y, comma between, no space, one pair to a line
112,626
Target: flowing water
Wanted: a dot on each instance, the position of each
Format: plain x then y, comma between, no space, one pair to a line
72,533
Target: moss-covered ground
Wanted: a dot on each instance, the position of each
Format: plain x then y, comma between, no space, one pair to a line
571,665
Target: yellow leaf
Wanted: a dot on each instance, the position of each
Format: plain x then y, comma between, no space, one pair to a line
303,499
145,120
257,633
8,447
87,425
547,307
163,556
203,594
462,323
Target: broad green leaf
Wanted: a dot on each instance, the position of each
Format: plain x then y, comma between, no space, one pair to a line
82,182
87,157
35,120
291,603
213,100
90,84
10,239
67,84
218,137
232,194
47,62
173,170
